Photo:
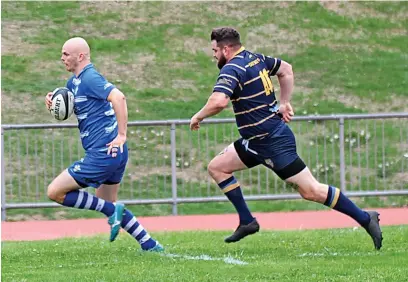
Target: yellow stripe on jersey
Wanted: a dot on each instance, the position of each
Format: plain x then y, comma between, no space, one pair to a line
256,108
251,110
257,123
220,86
248,97
252,80
256,136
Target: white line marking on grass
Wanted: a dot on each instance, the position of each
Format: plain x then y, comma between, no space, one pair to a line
227,260
352,254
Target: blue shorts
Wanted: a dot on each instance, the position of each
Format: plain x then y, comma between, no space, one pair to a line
276,151
98,168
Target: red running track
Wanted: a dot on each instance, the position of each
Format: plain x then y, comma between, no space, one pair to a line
47,230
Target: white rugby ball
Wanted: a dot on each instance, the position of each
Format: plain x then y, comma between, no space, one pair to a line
62,103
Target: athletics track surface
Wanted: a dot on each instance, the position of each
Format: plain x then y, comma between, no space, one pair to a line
48,230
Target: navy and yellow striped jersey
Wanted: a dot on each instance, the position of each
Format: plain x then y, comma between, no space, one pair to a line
246,80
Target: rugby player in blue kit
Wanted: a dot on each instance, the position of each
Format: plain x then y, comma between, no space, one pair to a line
101,111
266,139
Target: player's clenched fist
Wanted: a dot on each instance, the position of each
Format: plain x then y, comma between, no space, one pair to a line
286,112
195,122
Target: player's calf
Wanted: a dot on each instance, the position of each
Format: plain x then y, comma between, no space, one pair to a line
221,169
137,231
332,197
315,192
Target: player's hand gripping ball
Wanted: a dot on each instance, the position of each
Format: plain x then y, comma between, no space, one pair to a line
62,105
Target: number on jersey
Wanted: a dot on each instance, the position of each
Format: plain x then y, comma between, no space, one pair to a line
267,82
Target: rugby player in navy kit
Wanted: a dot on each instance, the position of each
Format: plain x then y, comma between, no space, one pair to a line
266,139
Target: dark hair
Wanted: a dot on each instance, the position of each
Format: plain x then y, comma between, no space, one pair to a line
226,36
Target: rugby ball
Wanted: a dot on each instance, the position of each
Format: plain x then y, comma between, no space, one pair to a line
62,103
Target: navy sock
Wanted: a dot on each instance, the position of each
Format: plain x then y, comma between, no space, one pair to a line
232,190
83,200
136,230
339,202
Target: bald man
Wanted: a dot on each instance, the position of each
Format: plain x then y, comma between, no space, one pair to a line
101,111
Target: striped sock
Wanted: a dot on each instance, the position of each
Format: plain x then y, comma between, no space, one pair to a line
339,202
136,230
232,190
85,201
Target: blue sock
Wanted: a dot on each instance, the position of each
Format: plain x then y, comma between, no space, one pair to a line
232,190
83,200
136,230
339,202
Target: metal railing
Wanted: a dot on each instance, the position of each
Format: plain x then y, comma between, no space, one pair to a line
363,154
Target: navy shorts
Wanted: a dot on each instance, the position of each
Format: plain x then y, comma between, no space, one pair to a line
276,151
98,168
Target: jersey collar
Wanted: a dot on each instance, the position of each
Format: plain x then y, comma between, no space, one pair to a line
239,51
88,66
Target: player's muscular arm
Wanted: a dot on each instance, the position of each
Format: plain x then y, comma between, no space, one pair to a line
118,101
215,104
286,78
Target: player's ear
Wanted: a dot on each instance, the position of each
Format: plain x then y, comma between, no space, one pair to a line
224,50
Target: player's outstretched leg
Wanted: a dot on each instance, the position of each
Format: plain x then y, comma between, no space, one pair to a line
65,190
221,169
247,223
136,230
330,196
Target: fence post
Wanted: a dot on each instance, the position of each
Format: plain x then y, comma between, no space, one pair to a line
173,167
3,180
342,156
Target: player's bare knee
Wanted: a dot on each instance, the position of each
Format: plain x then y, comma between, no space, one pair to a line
54,195
51,193
212,169
217,169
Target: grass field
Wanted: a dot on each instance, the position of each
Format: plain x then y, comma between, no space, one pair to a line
324,255
342,53
347,58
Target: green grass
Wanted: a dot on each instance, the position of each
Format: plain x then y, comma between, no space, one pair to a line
330,50
320,255
347,59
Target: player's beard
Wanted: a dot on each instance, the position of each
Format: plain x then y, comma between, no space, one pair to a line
221,61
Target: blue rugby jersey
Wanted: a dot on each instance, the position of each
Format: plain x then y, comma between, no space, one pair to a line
96,118
246,80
